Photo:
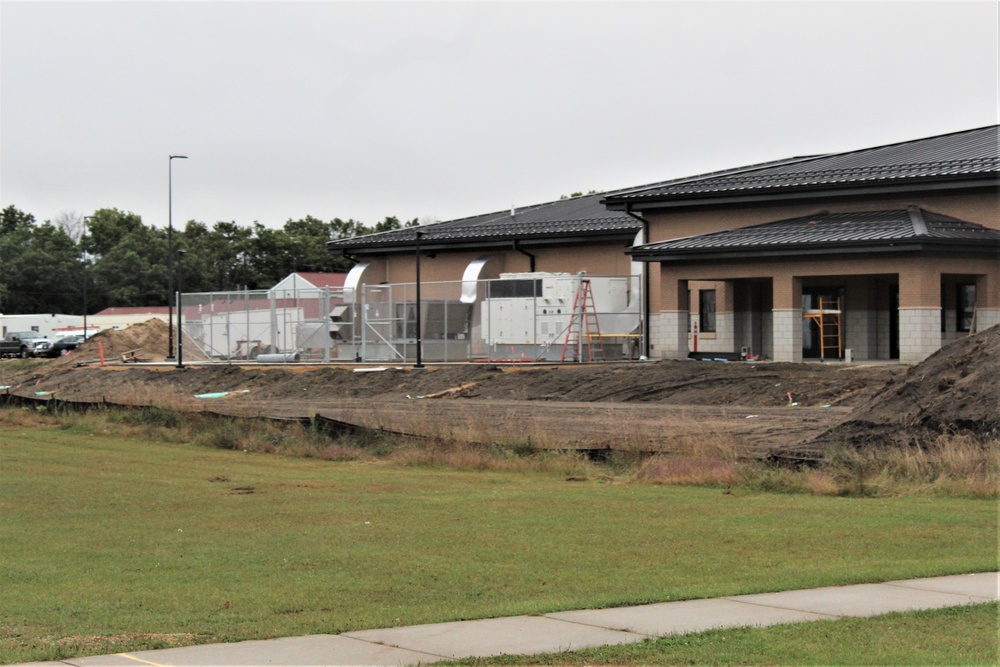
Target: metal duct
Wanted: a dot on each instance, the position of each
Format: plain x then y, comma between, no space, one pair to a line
487,267
370,273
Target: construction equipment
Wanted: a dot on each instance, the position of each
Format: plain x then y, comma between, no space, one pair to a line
583,327
827,319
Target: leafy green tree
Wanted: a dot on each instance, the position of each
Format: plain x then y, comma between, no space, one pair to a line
13,219
130,265
216,257
42,270
43,265
109,226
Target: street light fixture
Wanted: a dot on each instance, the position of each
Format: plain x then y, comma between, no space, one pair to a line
170,253
86,266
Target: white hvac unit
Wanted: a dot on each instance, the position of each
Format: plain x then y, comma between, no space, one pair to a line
537,308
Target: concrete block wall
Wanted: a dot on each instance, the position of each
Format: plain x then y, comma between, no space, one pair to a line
754,330
919,333
859,333
986,318
949,334
766,336
743,330
723,338
787,335
883,341
668,335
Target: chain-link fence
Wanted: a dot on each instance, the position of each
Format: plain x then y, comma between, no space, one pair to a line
253,324
516,318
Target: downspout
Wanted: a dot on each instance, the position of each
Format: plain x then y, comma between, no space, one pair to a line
645,283
531,258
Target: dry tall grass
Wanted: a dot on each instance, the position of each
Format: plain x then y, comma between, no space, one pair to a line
958,465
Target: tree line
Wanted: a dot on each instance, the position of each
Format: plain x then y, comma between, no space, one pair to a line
45,267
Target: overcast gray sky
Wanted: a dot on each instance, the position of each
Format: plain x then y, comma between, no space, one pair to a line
443,110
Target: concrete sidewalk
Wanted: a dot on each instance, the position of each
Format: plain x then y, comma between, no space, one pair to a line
570,630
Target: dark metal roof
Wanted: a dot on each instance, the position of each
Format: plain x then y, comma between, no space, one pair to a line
958,157
564,219
868,231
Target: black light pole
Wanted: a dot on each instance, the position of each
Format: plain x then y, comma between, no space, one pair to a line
170,253
86,265
180,312
420,362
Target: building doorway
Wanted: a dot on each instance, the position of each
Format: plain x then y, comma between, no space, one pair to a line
825,298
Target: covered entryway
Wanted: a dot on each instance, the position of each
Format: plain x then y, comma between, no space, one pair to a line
915,280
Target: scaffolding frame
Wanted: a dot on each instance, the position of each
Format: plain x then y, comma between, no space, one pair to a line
831,333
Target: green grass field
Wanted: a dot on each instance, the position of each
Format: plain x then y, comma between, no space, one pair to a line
117,543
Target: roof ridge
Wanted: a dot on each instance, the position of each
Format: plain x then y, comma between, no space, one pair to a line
902,160
719,173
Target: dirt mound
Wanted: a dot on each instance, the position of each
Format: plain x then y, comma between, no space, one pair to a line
151,337
663,382
955,390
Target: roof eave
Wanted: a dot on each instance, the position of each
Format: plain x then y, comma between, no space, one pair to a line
792,251
625,236
802,192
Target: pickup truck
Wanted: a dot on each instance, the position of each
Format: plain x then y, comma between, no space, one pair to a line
19,344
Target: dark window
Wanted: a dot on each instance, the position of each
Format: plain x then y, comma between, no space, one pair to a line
965,306
515,288
706,310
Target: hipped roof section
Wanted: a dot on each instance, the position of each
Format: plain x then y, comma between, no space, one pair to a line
905,230
582,217
961,159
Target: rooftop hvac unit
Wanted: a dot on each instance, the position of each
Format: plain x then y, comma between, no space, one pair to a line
537,308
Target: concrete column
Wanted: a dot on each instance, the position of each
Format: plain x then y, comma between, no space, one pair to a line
919,315
668,329
987,301
786,320
725,320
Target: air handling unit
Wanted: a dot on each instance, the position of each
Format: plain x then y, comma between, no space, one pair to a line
560,316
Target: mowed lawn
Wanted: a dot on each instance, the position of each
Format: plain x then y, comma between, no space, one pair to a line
106,536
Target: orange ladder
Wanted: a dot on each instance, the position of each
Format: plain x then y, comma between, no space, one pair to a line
583,327
827,319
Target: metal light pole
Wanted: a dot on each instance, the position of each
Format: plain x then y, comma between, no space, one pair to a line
180,312
86,265
170,253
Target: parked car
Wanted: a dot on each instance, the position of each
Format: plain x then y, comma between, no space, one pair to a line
41,347
19,344
65,345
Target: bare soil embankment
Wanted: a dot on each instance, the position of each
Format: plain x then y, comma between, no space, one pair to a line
765,407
